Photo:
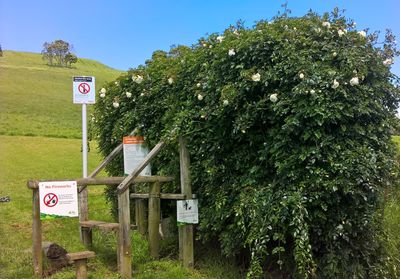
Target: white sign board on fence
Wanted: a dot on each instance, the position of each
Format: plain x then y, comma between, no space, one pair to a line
58,199
84,90
187,211
135,151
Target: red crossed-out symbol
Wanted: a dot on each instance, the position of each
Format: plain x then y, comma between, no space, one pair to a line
50,199
84,88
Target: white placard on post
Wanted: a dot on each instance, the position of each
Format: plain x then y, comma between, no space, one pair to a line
58,199
187,211
84,91
135,151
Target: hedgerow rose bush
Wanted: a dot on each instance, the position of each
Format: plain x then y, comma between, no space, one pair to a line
289,130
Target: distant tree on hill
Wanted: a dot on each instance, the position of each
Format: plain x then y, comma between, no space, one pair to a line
1,52
59,53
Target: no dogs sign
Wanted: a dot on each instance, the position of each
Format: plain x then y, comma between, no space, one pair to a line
58,199
84,90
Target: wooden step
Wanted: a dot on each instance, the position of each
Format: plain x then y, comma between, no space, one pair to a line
80,255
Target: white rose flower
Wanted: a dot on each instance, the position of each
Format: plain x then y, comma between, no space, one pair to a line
387,62
116,83
141,94
204,45
273,98
170,80
334,54
231,52
116,105
103,90
102,95
341,32
128,94
220,39
301,75
200,97
362,33
203,116
244,131
210,46
256,77
335,84
138,79
198,84
326,24
225,102
236,32
294,28
312,91
319,30
354,81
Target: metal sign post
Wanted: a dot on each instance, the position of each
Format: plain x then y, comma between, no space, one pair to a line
84,93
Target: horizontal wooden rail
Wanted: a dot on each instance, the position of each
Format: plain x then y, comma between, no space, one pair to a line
34,184
163,196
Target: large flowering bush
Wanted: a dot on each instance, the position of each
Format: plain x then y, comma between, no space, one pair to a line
289,129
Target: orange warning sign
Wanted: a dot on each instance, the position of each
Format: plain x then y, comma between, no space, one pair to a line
133,140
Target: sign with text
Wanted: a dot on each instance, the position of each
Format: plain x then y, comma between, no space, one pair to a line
187,211
84,90
58,199
134,153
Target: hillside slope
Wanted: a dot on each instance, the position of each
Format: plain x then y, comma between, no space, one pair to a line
36,99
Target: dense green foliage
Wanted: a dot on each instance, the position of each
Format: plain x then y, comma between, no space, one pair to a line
289,127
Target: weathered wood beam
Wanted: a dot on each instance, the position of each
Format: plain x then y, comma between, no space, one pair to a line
34,184
163,196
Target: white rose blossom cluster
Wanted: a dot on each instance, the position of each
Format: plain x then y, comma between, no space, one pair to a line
326,24
115,104
335,84
103,92
231,52
256,77
137,78
354,81
220,39
273,98
388,62
170,80
128,94
342,32
362,33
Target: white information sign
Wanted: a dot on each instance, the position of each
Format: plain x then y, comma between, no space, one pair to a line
58,199
134,153
187,211
84,90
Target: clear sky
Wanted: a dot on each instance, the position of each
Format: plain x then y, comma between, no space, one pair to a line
123,34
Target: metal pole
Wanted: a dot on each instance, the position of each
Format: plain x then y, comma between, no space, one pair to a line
84,140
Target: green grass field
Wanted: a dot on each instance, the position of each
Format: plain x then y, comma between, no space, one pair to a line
36,99
39,131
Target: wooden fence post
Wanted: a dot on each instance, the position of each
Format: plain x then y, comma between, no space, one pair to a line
154,219
186,253
85,233
124,240
37,235
140,216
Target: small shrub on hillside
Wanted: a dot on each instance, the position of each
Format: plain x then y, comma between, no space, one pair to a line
289,128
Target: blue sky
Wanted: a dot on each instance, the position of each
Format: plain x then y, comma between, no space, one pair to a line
123,34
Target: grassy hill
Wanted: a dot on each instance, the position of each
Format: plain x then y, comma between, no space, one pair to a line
36,99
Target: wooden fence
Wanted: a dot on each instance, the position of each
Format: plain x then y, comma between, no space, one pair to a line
123,227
